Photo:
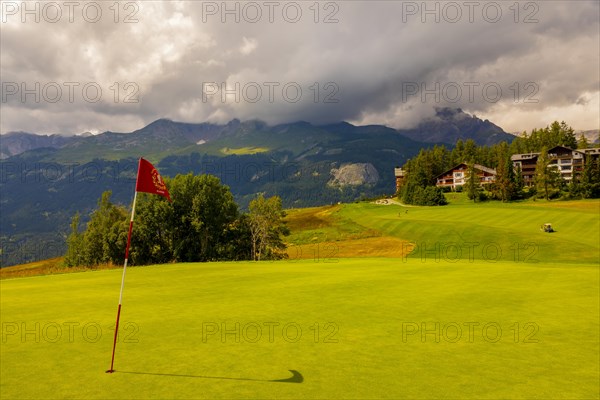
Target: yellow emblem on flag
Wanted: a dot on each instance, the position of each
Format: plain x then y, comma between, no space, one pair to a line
157,180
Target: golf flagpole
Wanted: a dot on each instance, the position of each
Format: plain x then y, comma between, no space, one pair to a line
148,180
112,361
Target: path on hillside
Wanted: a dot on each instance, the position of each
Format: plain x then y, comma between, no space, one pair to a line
389,202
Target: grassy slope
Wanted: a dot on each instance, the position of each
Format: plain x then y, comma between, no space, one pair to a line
371,301
244,150
461,231
49,266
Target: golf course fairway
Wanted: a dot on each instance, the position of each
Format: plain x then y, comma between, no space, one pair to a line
415,326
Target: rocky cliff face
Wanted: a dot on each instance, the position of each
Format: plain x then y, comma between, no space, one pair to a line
354,175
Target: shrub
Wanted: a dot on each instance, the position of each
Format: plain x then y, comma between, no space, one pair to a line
429,196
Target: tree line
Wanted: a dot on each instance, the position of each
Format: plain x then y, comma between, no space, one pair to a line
420,172
203,223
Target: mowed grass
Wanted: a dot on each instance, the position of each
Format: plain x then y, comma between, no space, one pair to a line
367,345
459,232
244,150
374,302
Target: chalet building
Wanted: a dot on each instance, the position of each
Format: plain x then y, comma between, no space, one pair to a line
527,163
568,161
399,173
457,176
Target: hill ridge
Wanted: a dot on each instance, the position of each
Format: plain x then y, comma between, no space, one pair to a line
447,126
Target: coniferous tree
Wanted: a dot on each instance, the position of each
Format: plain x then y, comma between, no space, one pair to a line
582,143
473,186
542,179
547,176
511,193
457,154
518,145
470,152
504,186
567,136
74,256
590,179
422,170
519,182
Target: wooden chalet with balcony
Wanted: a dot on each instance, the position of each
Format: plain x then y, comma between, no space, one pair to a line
569,162
458,175
399,173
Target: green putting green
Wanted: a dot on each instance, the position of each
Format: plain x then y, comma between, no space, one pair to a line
357,328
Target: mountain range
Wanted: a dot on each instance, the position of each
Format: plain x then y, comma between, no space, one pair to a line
46,179
163,137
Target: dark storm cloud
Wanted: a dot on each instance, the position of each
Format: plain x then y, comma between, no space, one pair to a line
173,56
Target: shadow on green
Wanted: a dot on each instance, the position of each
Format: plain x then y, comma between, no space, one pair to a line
295,378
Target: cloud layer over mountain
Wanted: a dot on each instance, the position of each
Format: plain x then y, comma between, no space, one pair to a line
97,66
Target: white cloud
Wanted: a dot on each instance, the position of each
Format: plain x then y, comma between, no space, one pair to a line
249,46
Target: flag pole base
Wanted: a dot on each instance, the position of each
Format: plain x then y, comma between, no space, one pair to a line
110,371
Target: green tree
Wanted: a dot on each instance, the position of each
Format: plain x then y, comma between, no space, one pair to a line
583,143
473,185
547,176
457,154
267,225
590,179
470,151
238,244
203,211
575,188
550,136
152,238
202,224
430,196
511,192
542,179
504,187
518,145
519,182
74,256
567,136
105,237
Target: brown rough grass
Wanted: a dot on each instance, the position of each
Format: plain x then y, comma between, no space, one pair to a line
383,246
46,267
311,218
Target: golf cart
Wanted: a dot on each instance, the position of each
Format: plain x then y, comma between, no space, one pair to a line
547,228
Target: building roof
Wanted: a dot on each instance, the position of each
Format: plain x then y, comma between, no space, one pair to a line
594,150
476,166
524,156
485,169
530,156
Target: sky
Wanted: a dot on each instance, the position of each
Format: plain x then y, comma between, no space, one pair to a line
71,67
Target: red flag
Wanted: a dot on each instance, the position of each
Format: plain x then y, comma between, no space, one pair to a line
150,181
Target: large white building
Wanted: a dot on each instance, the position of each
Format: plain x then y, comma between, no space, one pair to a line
568,161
